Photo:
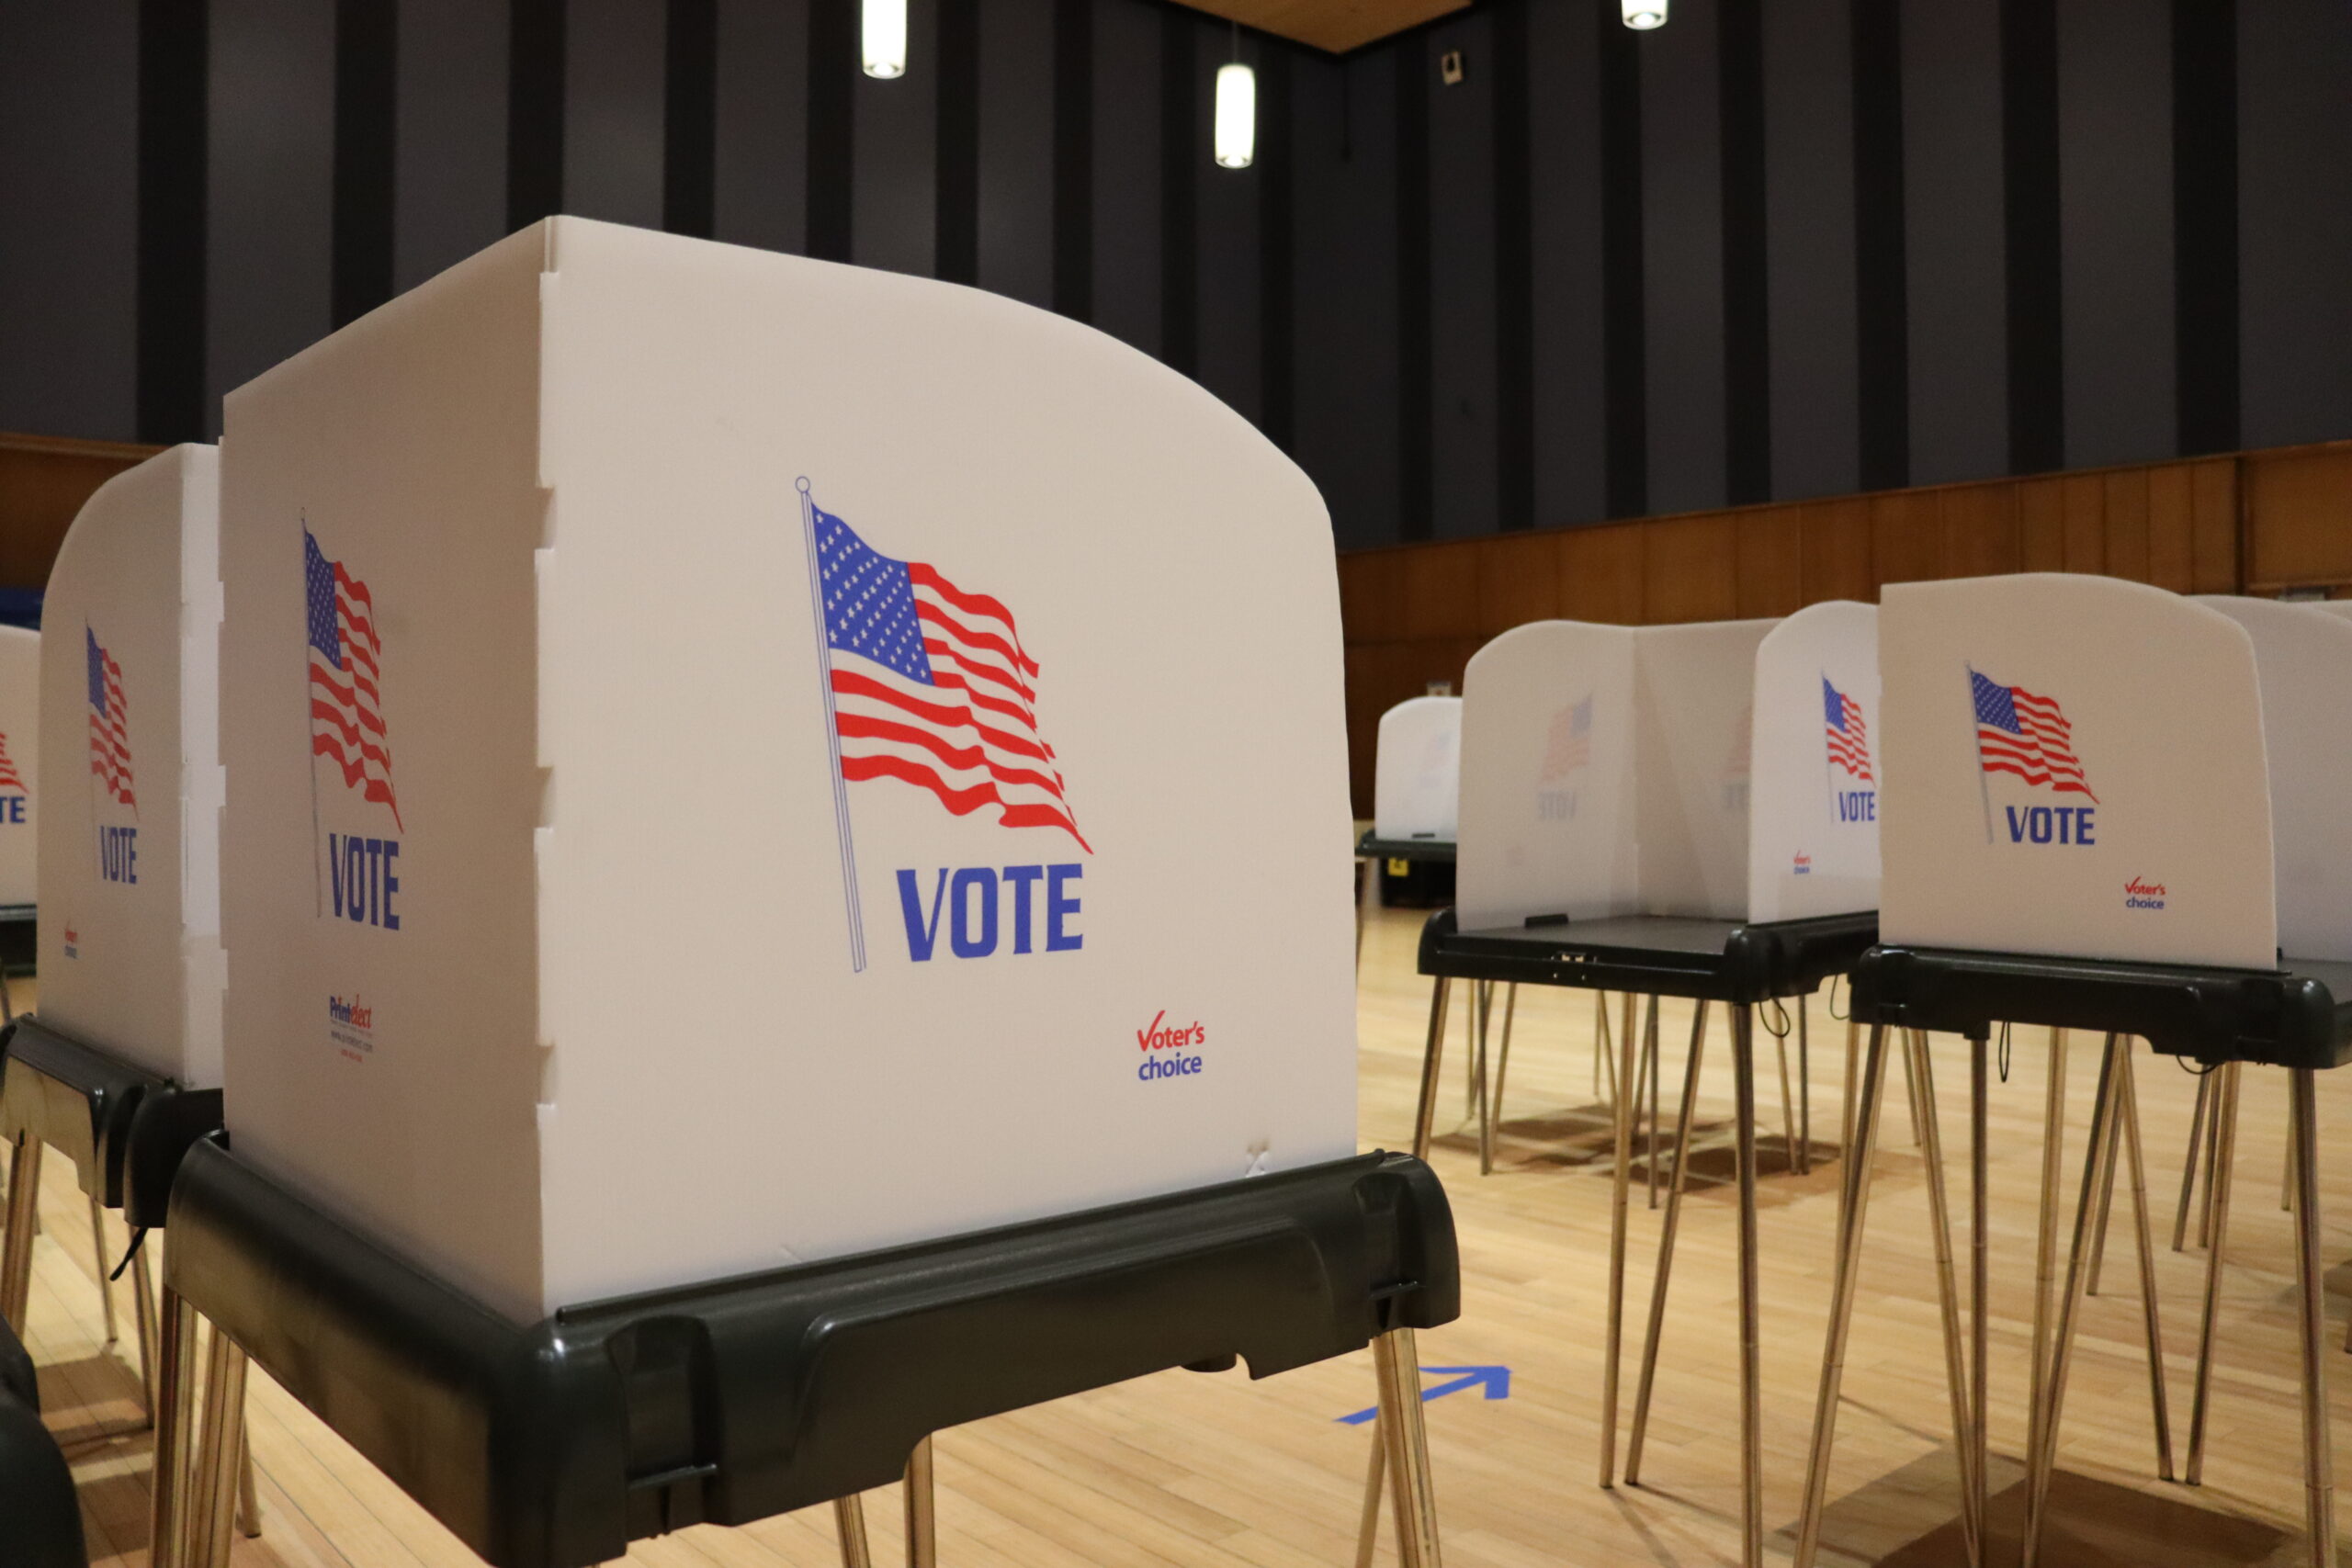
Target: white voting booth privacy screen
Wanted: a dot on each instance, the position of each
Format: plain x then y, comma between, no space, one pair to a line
740,760
2302,663
129,839
2075,766
1681,770
1417,770
19,762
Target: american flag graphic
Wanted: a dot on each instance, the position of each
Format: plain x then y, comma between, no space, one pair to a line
109,731
2017,732
9,777
1849,738
346,709
1570,744
932,686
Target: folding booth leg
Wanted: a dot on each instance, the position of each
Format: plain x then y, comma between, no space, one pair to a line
1433,1056
1502,1057
1666,1249
2136,1165
2045,1255
106,1285
218,1452
2103,1110
174,1433
1600,1039
1474,1040
143,1311
1911,1084
1751,1402
1367,902
849,1523
248,1495
2222,1103
1971,1526
1478,1083
2222,1147
1845,1125
923,1516
1857,1196
1787,1107
2197,1118
1979,1097
2105,1205
16,1251
2319,1458
1804,1093
1616,1330
1655,1065
1642,1089
1398,1364
1368,1522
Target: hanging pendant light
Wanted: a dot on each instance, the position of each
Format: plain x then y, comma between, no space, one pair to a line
1643,15
884,38
1237,115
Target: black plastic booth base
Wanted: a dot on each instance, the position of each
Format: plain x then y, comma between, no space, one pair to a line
1408,872
554,1444
124,1128
2297,1016
1658,955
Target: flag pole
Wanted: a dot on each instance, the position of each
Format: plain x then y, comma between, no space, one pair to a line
832,732
1984,791
98,830
310,736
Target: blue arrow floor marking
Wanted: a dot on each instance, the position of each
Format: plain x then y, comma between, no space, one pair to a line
1497,1381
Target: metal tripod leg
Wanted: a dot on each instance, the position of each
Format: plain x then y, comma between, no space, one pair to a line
2222,1145
1856,1185
849,1522
923,1516
1972,1525
1474,1039
1432,1058
174,1433
1617,1202
2105,1205
2197,1120
2045,1264
1846,1129
106,1285
2319,1458
1804,1092
1414,1498
219,1448
2045,1463
2135,1163
142,1308
1751,1402
17,1250
1979,1049
1788,1106
1503,1057
1666,1248
1655,1063
1486,1012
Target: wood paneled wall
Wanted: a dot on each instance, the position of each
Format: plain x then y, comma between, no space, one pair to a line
2256,521
43,482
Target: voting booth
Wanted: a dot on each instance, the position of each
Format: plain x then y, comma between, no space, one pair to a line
1680,810
814,643
2109,808
19,765
121,1068
1407,853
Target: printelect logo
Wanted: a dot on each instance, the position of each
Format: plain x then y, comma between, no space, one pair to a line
2138,895
1160,1037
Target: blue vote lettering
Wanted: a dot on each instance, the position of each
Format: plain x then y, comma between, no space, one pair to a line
118,854
362,879
12,808
1857,805
969,902
2050,824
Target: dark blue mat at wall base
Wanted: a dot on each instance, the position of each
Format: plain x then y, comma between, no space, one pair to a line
2299,1015
554,1444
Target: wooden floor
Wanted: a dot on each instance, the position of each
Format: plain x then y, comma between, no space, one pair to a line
1197,1470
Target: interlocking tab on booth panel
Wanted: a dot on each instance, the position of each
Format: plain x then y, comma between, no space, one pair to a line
2074,765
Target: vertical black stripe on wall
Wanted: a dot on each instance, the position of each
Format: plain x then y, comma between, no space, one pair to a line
1074,158
1514,273
1181,151
173,104
1624,350
1881,270
534,111
1416,354
2030,176
1277,310
366,44
1748,297
833,66
2205,222
955,193
690,120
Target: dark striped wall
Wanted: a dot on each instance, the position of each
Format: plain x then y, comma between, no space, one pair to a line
1779,248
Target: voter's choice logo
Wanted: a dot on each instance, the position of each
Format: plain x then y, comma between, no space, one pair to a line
1170,1049
13,794
928,686
2141,894
2026,736
355,873
1801,864
72,940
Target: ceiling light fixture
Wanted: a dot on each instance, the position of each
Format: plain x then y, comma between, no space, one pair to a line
1643,15
885,31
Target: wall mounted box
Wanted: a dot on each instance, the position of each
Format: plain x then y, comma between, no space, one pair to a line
563,959
131,956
